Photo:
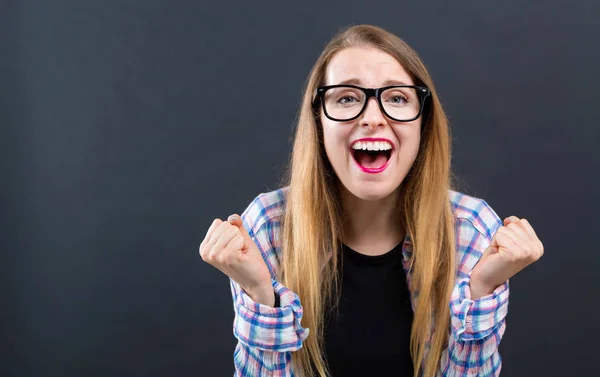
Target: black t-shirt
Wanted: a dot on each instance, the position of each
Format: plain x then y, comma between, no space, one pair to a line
371,334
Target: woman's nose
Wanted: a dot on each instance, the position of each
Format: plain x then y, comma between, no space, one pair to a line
372,116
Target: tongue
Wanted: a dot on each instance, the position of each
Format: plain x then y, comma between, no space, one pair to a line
371,160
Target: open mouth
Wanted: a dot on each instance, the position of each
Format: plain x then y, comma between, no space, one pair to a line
372,159
372,156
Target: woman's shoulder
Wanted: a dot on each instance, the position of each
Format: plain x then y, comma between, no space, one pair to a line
473,212
266,209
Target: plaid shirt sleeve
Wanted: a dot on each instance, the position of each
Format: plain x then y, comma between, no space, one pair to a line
477,326
266,336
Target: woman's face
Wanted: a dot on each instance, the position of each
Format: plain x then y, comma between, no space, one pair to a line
369,175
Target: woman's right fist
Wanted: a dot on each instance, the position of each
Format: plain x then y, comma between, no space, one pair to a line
228,247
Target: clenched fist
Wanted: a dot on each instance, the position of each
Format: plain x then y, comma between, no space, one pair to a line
514,246
228,247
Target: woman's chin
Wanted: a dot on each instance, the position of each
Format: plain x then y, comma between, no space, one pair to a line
371,191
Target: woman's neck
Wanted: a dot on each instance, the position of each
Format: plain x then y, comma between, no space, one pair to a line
372,227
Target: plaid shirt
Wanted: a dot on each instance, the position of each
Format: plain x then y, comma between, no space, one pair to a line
267,336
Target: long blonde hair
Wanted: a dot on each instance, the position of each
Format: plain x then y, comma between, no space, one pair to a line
312,225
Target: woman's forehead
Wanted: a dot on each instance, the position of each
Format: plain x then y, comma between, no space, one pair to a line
365,66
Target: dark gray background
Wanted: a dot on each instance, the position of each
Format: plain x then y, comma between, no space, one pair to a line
127,126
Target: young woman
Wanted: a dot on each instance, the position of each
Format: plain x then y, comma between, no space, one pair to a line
367,262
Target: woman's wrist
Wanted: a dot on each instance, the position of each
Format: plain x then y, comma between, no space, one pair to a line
480,288
263,294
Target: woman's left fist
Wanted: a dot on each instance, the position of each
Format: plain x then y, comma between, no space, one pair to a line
514,246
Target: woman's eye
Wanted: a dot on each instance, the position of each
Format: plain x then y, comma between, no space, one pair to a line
346,100
399,100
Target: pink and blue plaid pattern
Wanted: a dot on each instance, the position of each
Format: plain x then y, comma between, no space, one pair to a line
267,336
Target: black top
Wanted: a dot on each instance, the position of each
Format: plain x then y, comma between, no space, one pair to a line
371,334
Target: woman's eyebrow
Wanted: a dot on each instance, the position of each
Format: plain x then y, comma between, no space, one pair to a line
355,81
350,82
394,82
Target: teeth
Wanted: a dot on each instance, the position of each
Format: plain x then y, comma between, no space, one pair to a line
372,145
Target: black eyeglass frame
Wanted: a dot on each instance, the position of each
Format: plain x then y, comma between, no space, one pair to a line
422,92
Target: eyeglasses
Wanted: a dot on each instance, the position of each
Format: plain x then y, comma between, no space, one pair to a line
402,103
